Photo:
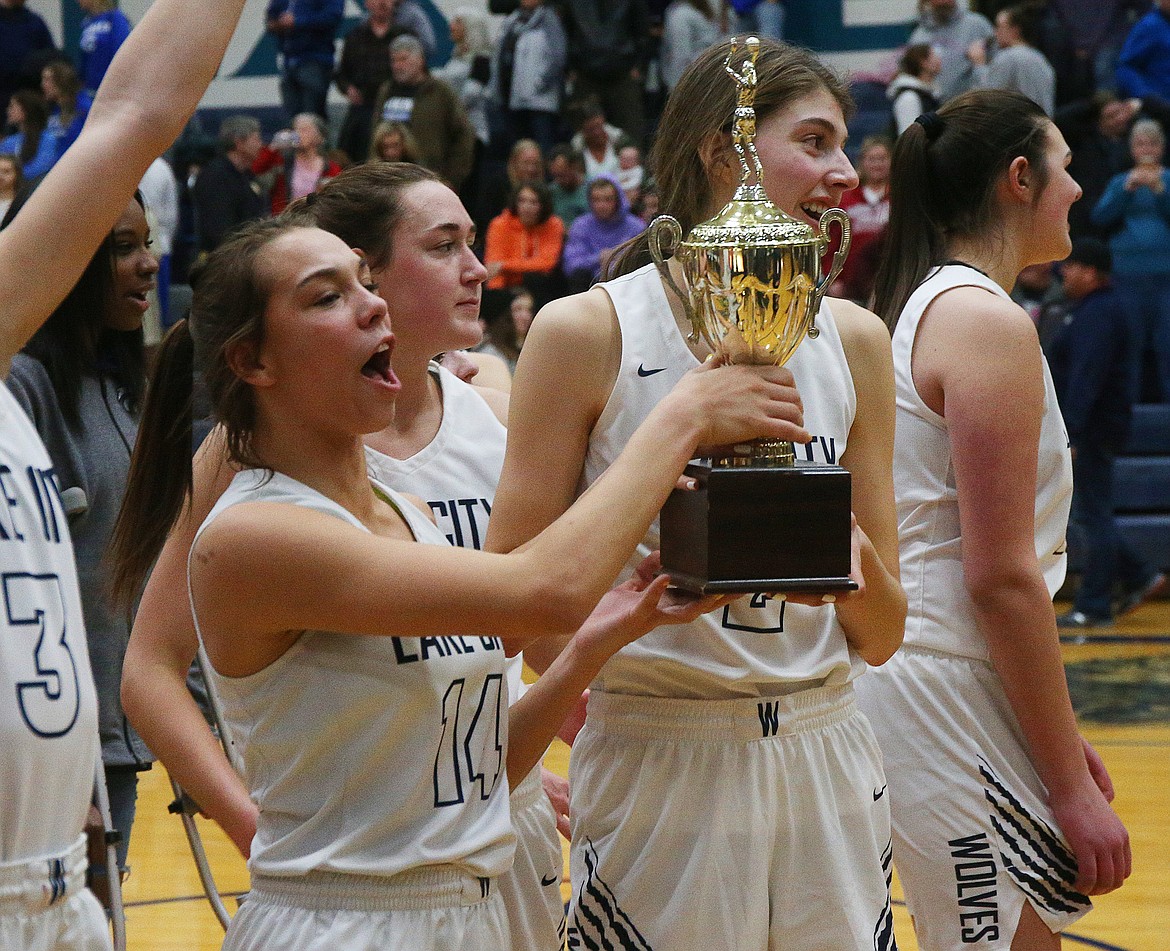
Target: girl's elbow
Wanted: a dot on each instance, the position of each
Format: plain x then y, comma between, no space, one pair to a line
1001,584
888,638
559,606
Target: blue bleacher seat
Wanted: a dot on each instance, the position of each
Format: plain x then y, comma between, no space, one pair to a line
1141,488
1150,432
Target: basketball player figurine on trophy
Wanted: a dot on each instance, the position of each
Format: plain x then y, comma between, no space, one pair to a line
758,520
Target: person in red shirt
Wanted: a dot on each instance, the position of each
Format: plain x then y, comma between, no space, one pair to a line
868,206
297,156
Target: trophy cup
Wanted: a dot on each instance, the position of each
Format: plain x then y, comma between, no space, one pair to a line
758,519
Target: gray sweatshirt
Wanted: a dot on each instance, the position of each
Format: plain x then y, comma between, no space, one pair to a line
91,462
951,38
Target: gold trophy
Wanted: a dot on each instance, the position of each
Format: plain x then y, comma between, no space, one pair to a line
758,520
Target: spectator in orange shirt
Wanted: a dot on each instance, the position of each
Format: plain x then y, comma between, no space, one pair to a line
524,243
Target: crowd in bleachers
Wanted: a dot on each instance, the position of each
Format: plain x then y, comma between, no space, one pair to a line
559,95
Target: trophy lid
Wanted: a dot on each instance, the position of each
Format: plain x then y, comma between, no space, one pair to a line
750,219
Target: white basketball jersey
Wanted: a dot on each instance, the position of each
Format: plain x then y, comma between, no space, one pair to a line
48,707
456,473
372,755
755,646
941,614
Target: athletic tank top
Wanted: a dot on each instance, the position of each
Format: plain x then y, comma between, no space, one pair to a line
755,646
371,755
941,615
48,707
457,474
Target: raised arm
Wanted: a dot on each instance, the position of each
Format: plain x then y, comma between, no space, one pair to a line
147,96
154,678
993,399
875,619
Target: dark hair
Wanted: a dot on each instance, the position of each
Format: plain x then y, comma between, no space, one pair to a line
543,195
1026,17
599,184
913,58
1091,252
36,117
943,183
234,129
582,109
701,105
75,341
569,154
160,477
362,206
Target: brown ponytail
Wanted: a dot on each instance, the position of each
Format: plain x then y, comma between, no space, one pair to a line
159,482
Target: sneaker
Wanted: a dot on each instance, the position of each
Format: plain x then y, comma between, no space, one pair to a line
1078,620
1133,599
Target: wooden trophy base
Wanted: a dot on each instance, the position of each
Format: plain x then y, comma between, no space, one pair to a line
749,529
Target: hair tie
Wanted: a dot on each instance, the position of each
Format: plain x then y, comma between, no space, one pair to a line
311,199
931,124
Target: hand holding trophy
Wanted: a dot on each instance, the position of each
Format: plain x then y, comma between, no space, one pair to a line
758,520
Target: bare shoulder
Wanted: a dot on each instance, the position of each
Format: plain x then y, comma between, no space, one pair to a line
268,531
493,372
574,347
976,316
497,402
864,335
577,320
213,472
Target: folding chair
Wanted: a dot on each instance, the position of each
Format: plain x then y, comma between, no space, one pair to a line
186,807
111,837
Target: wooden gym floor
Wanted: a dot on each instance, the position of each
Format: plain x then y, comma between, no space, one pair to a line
1120,679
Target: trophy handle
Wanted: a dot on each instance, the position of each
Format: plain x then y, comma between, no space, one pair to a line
665,229
842,219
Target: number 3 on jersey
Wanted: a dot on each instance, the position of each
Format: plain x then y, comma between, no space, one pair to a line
47,691
474,753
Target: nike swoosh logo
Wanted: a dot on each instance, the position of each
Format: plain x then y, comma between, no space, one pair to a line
642,371
878,793
551,880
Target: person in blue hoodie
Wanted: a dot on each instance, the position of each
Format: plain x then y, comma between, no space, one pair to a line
1093,374
304,31
1143,67
103,30
1135,210
608,223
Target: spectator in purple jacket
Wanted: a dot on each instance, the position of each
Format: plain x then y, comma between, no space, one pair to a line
608,223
